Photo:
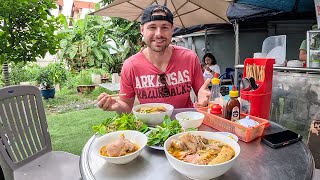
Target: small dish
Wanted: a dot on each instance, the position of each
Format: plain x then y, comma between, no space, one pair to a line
247,122
230,135
295,63
190,119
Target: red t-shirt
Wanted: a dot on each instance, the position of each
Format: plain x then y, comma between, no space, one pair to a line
141,78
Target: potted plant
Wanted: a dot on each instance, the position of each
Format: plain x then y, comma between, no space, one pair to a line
46,81
97,74
84,82
49,76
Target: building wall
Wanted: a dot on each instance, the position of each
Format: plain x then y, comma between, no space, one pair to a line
222,46
47,59
295,31
222,43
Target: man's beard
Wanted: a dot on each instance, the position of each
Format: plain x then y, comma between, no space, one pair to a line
157,49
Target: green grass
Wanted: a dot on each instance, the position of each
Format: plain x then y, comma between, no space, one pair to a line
67,100
70,128
70,131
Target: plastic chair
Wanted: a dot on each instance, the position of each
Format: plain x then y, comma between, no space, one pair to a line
26,151
226,74
225,78
230,74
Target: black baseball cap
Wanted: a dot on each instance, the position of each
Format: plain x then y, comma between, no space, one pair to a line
147,14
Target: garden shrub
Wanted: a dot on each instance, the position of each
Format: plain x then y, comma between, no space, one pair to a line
54,73
23,72
84,78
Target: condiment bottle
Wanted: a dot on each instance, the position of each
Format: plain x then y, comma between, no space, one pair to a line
233,106
214,100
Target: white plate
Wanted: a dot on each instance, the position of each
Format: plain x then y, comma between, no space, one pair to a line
230,135
295,63
154,147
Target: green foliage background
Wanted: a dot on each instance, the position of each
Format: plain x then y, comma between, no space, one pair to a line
85,45
27,30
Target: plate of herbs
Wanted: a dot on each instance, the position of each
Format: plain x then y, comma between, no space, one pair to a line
159,134
120,122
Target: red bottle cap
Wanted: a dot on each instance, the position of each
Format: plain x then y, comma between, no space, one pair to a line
216,109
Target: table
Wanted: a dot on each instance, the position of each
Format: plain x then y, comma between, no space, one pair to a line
256,161
111,86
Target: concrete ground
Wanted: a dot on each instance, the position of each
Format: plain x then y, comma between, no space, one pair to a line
317,174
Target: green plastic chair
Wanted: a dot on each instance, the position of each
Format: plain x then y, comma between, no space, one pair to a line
25,149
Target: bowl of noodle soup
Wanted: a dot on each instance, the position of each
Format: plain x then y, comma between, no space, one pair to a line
193,165
152,113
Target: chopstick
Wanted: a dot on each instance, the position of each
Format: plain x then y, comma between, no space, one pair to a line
115,95
255,71
112,95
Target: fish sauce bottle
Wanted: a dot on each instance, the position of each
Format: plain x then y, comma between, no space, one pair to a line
232,111
214,100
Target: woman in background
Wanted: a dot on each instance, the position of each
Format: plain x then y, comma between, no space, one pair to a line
211,66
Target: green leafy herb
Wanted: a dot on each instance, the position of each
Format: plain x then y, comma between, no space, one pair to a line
163,131
120,122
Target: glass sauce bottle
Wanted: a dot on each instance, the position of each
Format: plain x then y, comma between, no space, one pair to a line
214,100
233,106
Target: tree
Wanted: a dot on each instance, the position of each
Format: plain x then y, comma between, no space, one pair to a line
27,31
126,32
85,45
126,35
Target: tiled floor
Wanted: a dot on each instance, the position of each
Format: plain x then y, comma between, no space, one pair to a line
317,174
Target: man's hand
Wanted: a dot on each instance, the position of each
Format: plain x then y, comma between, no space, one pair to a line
123,105
203,95
207,68
107,103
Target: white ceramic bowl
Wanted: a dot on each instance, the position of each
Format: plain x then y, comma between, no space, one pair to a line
202,172
135,137
295,63
152,119
190,119
230,135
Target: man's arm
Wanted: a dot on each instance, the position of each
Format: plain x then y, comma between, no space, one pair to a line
303,51
303,55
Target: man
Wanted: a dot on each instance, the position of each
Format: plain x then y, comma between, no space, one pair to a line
303,51
161,72
303,47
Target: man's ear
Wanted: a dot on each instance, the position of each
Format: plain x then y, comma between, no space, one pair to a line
141,29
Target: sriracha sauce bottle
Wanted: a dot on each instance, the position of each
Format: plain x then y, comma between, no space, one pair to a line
233,106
